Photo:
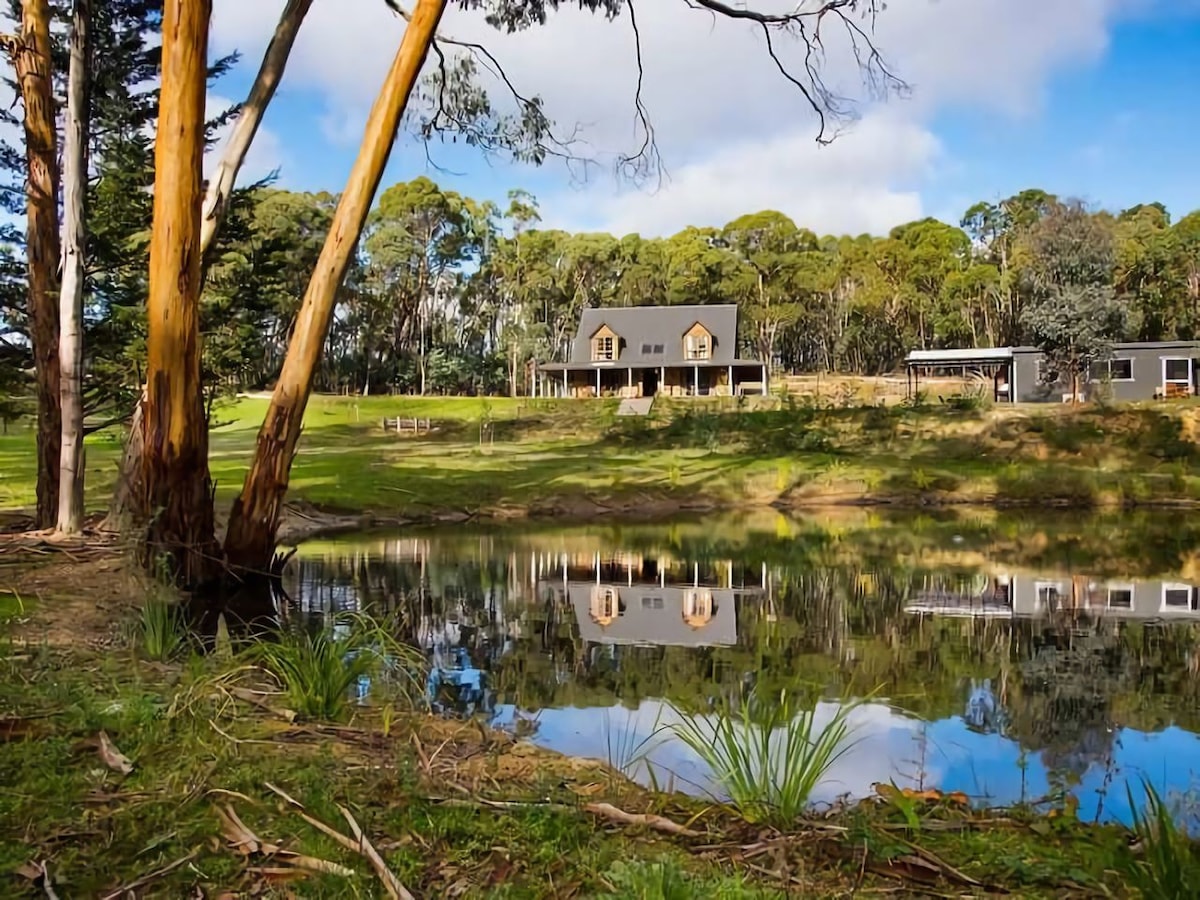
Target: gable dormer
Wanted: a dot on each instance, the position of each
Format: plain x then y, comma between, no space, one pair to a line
606,345
697,343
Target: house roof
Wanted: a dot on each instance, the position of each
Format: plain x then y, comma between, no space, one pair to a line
969,355
653,335
654,615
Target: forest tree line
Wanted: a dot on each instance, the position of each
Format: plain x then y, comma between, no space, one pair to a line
448,294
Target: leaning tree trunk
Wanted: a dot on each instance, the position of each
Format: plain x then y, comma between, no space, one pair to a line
70,340
30,53
216,202
270,71
250,540
175,493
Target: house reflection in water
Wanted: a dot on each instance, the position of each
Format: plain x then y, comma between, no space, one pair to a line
1026,595
631,598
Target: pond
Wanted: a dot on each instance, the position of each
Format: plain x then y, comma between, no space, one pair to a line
1012,657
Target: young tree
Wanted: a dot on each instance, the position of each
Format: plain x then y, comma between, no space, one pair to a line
175,493
30,53
70,344
1073,313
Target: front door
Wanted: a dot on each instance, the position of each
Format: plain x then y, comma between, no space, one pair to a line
649,382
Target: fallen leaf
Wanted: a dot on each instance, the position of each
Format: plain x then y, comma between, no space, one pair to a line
112,757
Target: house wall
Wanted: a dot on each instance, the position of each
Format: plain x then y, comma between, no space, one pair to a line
1093,596
1146,384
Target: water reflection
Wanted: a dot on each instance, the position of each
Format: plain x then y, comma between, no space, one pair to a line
1006,681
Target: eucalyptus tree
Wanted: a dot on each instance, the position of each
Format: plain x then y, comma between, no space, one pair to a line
30,53
1073,313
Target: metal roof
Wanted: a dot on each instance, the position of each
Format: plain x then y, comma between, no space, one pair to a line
958,356
653,335
968,355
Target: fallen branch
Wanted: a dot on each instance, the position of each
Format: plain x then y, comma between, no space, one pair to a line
360,844
658,823
391,883
255,698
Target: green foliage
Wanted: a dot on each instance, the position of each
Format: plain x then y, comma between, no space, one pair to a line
1167,865
318,671
1073,313
768,755
162,628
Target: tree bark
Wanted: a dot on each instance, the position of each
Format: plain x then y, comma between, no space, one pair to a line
175,493
31,59
220,186
270,71
70,339
250,540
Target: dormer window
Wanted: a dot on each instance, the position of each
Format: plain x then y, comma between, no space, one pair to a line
605,344
698,607
697,343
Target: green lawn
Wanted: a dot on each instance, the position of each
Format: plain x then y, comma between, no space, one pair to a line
555,456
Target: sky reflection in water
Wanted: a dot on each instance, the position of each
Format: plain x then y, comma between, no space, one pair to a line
1004,672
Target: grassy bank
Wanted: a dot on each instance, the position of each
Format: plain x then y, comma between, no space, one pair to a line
118,770
543,457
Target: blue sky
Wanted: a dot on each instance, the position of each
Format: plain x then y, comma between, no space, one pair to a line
1084,98
1117,132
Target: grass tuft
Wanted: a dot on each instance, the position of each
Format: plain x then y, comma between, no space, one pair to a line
318,671
769,757
162,629
1168,865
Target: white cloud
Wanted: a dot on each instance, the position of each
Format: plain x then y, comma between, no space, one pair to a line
734,134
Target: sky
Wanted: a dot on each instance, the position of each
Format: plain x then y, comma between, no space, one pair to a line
1083,98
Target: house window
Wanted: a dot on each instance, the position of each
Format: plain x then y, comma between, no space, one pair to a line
1120,596
604,349
604,606
698,607
647,349
1177,370
697,347
1178,597
658,349
1112,370
652,603
1048,595
1046,373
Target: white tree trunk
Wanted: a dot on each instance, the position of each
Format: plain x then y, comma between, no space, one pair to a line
74,241
270,71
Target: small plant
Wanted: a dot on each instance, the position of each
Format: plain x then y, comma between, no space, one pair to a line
161,629
1167,865
769,757
318,671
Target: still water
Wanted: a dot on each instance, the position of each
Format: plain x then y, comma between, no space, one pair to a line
1011,657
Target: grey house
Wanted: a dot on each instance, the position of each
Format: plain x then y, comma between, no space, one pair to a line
644,351
1136,371
1021,595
